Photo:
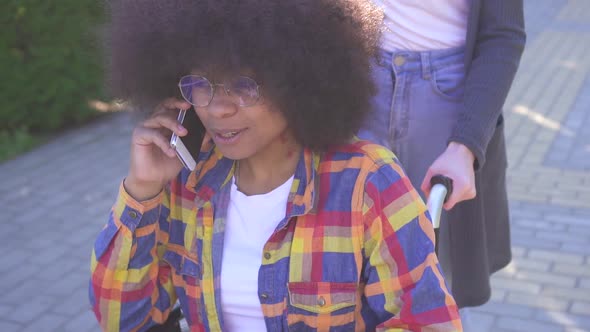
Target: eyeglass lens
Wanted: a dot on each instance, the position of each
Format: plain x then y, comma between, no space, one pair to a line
198,91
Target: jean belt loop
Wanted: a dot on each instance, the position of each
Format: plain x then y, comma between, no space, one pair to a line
425,63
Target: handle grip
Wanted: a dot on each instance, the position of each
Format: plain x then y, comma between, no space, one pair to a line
441,189
445,181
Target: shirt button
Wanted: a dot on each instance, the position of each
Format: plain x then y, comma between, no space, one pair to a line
133,214
267,255
264,296
321,301
399,60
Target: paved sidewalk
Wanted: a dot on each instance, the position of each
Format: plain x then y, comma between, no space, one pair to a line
54,200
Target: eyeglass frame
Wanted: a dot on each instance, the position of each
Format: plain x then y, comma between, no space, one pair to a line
213,89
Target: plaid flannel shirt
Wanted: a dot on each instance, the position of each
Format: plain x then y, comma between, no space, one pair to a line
354,252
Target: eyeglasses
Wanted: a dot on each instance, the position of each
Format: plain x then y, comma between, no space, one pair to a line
199,91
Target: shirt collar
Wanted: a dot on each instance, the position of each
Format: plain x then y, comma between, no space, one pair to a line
214,171
303,197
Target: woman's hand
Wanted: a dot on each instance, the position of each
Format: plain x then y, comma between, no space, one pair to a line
153,161
456,163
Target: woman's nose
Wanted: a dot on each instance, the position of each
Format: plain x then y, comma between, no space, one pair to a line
222,104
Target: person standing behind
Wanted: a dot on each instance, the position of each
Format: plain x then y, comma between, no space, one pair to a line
445,72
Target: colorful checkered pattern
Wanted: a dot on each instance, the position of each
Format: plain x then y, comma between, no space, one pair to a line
354,252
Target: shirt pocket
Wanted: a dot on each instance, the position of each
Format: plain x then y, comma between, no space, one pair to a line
186,277
186,271
321,305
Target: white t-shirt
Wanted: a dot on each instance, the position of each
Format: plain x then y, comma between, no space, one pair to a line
419,25
250,222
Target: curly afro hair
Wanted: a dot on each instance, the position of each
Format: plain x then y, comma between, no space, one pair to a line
311,56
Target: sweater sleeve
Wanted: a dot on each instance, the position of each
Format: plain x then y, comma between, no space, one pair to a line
500,40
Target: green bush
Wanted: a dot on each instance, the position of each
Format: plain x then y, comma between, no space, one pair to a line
15,142
50,62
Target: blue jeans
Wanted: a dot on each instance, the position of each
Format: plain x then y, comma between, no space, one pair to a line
418,98
419,95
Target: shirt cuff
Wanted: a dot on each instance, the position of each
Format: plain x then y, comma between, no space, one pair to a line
131,212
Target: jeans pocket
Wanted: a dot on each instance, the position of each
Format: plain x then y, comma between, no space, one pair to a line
321,305
449,81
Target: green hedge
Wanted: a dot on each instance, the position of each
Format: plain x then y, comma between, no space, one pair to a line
50,62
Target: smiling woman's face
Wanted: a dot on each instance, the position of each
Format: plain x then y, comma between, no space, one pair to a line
242,132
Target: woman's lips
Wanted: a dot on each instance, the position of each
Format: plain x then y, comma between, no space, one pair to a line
227,136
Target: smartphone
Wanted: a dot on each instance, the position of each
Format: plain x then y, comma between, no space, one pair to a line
187,147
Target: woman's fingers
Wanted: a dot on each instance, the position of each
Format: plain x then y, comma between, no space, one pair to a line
456,162
463,189
157,129
144,136
426,183
174,104
165,120
450,202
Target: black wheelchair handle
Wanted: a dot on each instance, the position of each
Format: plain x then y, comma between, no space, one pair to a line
445,181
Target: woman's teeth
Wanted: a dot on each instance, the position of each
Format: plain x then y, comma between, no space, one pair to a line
229,135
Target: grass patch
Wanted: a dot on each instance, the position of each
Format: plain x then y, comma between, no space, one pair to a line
13,143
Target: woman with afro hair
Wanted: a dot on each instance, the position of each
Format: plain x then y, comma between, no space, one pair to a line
287,221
